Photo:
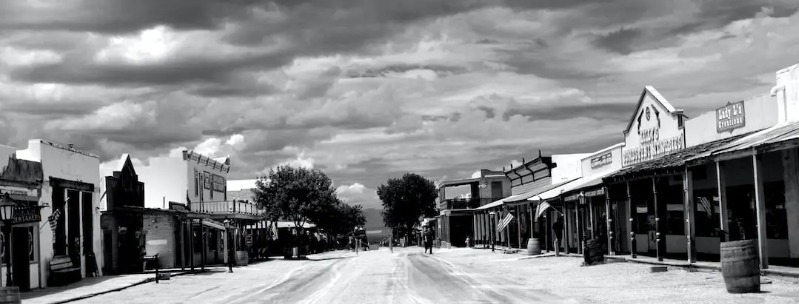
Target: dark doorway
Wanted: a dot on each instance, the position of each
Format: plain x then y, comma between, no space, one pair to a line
496,190
73,226
60,235
21,252
107,245
88,223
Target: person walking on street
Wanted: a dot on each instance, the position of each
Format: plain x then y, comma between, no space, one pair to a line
557,227
428,240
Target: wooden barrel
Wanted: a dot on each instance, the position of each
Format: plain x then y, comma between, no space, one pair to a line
533,247
740,266
595,252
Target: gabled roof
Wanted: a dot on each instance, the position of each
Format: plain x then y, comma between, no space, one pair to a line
657,97
125,161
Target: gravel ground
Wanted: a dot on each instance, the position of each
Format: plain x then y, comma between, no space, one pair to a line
617,282
448,276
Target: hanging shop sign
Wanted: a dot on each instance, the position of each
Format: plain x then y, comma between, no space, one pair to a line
601,160
730,117
26,213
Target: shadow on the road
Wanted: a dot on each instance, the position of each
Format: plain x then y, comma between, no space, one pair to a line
327,259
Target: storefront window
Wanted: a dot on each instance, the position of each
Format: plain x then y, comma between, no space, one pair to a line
674,222
706,213
776,217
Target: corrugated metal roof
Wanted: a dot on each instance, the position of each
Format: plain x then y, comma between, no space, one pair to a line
521,197
676,159
585,182
775,134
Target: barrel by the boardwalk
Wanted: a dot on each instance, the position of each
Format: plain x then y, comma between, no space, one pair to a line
533,247
740,266
593,252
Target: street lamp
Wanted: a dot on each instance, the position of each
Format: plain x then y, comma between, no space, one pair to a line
7,216
230,257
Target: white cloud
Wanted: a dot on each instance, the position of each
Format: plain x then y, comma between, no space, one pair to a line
214,147
113,117
301,161
358,194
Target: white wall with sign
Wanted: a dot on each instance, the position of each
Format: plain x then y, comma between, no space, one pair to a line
758,113
603,161
568,167
654,129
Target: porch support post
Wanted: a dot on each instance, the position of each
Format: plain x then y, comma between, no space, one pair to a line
659,239
722,193
760,203
519,226
567,228
203,242
790,165
182,228
191,243
631,222
609,222
579,223
589,204
688,211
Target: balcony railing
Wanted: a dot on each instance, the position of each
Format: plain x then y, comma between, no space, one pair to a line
465,203
241,207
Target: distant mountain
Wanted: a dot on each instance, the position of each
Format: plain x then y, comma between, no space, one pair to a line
374,223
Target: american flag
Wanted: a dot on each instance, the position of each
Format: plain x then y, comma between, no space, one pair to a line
705,203
502,224
53,219
274,230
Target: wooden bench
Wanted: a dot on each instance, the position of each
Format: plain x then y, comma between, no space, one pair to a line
62,271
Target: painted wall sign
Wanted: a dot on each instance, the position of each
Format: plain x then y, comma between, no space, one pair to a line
653,150
602,160
730,117
218,182
654,130
206,180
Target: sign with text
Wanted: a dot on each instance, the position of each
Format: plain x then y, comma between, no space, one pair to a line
602,160
218,182
653,150
206,180
655,130
730,117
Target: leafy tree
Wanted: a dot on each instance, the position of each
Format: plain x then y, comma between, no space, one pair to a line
406,199
351,216
298,195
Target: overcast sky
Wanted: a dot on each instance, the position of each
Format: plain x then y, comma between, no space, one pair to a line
368,89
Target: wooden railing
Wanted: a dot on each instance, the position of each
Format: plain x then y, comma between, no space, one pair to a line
241,207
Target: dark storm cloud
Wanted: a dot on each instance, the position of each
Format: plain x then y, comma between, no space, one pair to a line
81,70
548,4
223,133
717,13
117,16
613,112
50,109
711,14
620,41
525,61
401,68
342,26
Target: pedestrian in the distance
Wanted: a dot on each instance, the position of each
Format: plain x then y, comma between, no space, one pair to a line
428,240
557,227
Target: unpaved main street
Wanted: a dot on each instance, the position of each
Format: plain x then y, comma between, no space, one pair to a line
448,276
405,276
